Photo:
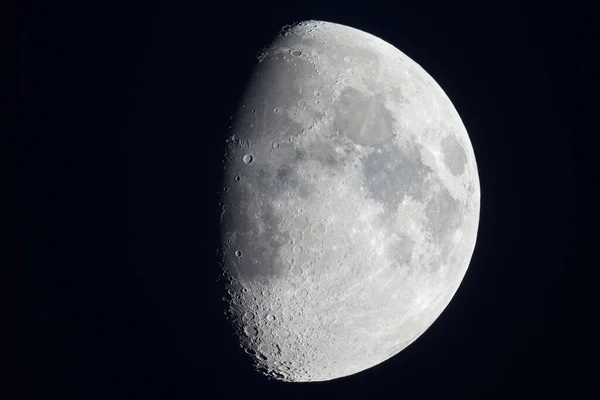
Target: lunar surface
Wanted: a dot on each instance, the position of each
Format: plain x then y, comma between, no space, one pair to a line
349,208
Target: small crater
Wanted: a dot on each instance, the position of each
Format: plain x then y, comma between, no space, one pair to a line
238,253
250,330
276,110
279,375
275,145
296,235
270,317
249,316
296,53
300,221
237,178
302,104
296,271
317,93
297,250
297,279
248,159
283,333
318,229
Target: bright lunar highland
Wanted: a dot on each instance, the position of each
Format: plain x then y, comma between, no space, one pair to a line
350,204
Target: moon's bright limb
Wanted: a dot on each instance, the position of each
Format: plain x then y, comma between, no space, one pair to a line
352,205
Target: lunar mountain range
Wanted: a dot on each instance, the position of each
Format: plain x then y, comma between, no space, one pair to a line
350,205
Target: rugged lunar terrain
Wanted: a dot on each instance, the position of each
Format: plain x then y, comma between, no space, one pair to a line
350,204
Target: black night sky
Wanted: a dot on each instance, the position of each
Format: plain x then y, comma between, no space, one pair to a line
122,114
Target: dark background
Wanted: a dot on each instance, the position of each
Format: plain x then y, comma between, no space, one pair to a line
123,111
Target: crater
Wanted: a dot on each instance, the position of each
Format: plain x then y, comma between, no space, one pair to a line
248,158
300,221
250,330
318,229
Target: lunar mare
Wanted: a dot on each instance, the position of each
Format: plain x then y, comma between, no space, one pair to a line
352,204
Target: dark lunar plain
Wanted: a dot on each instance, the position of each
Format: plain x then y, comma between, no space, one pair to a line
123,112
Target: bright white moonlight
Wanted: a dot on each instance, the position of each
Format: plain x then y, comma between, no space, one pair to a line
352,206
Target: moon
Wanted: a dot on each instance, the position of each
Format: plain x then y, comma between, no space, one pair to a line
350,204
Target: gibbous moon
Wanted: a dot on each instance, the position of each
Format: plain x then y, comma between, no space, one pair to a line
350,205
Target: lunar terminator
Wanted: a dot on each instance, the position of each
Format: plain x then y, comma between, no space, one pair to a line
352,207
